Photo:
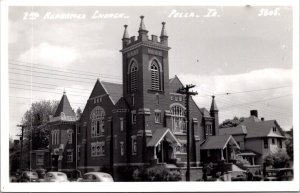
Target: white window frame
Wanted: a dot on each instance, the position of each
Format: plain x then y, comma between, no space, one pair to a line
133,76
133,117
155,75
97,117
178,118
69,155
133,145
122,148
157,117
121,124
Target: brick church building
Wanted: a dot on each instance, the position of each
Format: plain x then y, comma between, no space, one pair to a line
140,122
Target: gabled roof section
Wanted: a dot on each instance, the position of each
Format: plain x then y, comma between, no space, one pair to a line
114,90
64,107
174,84
218,142
122,104
159,135
256,128
204,112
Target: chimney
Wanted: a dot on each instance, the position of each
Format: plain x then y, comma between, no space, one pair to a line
253,113
262,119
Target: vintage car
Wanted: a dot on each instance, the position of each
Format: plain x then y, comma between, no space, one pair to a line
55,177
29,176
280,174
96,177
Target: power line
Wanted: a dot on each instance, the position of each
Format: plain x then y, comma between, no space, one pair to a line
257,101
60,71
88,72
48,84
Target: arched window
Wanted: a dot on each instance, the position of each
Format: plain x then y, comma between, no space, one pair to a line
133,76
155,76
178,119
97,121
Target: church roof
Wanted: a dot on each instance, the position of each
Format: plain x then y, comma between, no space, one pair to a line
114,90
64,107
122,104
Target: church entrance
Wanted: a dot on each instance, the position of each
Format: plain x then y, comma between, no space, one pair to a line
164,152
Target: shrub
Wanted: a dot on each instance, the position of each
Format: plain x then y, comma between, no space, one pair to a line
277,160
156,173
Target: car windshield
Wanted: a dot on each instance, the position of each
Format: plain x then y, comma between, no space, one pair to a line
32,174
60,174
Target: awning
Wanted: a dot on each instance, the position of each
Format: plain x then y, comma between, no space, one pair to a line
219,142
159,135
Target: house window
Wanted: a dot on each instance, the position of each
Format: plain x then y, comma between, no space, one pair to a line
208,130
133,117
78,152
208,153
274,129
273,141
155,76
178,119
157,98
134,148
55,137
157,117
39,160
121,148
93,149
69,156
133,76
266,145
176,98
121,123
69,131
280,143
97,124
172,98
180,98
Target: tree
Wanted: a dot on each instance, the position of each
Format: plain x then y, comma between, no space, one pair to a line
78,113
35,121
289,143
231,122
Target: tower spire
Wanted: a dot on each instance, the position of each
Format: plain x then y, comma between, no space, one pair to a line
125,38
125,35
213,106
163,34
142,24
163,30
143,33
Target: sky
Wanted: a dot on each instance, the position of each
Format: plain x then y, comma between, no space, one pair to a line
242,50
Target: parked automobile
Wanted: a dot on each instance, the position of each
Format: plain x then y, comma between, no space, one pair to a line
41,173
96,177
29,176
280,174
55,177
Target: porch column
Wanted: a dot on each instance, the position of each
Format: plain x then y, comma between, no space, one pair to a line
174,150
154,152
226,154
222,156
253,161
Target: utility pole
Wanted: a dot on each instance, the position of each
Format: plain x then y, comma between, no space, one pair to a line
21,139
186,91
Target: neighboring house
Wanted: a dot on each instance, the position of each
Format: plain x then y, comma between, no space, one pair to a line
256,137
139,122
